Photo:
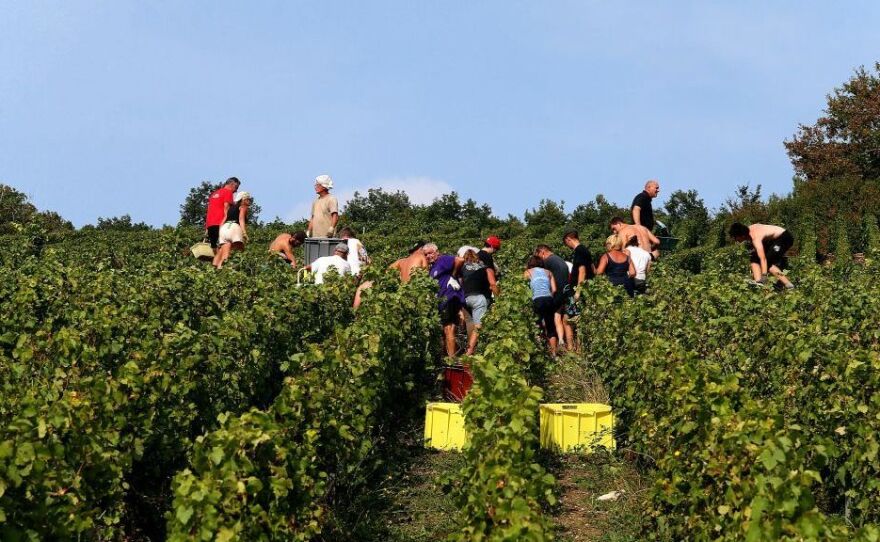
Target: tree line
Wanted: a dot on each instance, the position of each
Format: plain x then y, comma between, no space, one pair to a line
836,188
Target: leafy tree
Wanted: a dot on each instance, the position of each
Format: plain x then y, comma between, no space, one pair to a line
845,141
254,213
19,213
598,212
510,227
50,221
845,197
195,206
837,160
688,217
682,205
743,198
842,250
15,205
808,248
548,216
380,211
871,234
745,206
446,208
120,223
478,215
376,207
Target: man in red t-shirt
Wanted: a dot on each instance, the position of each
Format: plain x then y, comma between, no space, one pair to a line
218,205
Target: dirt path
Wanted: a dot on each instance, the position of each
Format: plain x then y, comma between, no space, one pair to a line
580,516
581,479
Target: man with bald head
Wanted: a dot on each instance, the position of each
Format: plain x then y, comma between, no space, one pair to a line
642,212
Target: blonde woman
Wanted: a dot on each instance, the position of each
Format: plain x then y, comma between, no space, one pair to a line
617,265
233,232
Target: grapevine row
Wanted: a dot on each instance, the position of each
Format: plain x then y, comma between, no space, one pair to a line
502,488
756,411
272,474
107,376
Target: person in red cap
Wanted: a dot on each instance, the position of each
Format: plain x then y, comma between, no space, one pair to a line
492,245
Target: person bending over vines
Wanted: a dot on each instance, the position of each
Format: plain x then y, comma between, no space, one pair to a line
769,244
284,244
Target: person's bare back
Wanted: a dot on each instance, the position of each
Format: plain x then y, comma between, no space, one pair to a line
406,265
767,255
280,243
646,239
285,243
759,232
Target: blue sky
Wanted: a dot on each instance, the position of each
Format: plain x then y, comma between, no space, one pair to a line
116,107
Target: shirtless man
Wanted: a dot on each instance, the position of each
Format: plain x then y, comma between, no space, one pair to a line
284,244
415,260
769,245
647,240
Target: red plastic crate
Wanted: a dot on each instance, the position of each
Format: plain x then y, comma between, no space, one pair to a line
457,381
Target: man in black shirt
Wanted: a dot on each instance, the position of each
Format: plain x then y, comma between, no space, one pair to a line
582,270
559,269
642,212
582,267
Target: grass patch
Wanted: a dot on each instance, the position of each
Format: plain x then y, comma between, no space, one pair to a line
409,504
419,508
406,502
572,380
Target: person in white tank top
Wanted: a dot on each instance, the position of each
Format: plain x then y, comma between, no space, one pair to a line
641,260
357,254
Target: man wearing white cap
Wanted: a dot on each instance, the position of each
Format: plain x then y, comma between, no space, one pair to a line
325,209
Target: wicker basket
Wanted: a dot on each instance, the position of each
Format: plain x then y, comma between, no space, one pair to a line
202,251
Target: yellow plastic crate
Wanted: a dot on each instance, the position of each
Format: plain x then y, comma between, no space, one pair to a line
571,426
444,426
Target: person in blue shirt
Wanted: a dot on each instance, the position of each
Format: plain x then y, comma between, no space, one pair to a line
543,286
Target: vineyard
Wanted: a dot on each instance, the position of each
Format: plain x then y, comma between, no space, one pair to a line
146,396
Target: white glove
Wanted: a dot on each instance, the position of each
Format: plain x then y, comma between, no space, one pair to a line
454,284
